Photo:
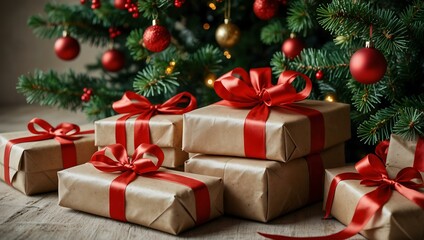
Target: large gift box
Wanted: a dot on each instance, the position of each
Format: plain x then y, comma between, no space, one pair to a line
30,160
398,218
142,122
262,190
266,122
154,197
406,153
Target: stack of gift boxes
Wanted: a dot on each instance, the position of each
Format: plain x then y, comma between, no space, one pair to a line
261,152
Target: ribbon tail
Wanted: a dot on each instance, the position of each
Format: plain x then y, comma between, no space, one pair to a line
254,132
367,206
411,194
332,189
419,155
142,129
69,153
117,195
120,130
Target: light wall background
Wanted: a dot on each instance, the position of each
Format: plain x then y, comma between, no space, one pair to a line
21,52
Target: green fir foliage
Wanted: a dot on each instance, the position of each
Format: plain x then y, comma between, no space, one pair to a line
332,31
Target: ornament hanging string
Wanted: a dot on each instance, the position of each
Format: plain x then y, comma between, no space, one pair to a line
227,10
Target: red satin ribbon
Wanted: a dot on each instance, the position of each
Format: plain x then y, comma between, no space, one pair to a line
134,104
419,155
372,173
316,177
64,133
146,168
255,90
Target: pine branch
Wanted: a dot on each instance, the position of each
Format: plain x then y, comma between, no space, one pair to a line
65,90
274,33
208,58
301,16
405,118
152,82
134,45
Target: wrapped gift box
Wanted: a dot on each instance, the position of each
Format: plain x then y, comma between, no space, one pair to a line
165,131
218,130
405,153
34,165
262,190
399,218
159,204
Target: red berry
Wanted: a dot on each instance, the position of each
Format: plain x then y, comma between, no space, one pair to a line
319,75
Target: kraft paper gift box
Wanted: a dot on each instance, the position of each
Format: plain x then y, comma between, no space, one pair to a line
218,130
136,190
33,166
399,218
165,131
405,153
158,204
262,190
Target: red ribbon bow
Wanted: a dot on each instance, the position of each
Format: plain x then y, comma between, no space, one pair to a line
64,133
134,104
138,165
255,90
372,173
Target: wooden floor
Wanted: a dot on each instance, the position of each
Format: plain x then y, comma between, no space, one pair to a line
39,217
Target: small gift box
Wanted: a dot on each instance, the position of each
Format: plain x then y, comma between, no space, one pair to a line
371,202
406,153
29,161
260,120
140,121
262,190
137,191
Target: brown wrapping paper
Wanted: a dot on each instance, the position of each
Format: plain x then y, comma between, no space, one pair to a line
165,131
399,218
218,130
33,165
401,154
174,157
157,204
259,189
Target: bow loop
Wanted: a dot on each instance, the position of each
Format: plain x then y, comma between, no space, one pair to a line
240,89
63,130
178,104
132,103
114,158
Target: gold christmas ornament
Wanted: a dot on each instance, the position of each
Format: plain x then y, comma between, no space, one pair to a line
227,34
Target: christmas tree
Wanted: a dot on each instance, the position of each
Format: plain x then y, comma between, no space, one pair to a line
162,47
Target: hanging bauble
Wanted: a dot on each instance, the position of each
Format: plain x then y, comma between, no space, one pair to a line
66,48
179,3
113,60
227,34
95,4
292,47
156,38
367,65
82,1
120,4
265,9
319,75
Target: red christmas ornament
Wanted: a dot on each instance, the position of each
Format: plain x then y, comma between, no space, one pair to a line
66,48
292,47
367,65
82,1
156,38
265,9
120,4
179,3
319,75
95,4
113,60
